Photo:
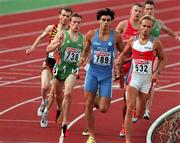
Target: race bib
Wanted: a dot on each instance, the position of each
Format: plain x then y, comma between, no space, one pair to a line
72,55
142,67
51,55
102,58
75,71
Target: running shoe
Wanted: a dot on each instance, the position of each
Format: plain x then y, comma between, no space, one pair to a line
58,116
122,133
64,131
91,140
85,132
134,117
146,115
41,108
44,120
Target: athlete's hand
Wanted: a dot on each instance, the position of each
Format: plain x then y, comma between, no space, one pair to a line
177,38
82,61
155,76
117,61
28,51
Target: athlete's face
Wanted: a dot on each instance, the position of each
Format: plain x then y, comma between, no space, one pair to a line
75,23
105,22
64,17
136,12
149,9
145,28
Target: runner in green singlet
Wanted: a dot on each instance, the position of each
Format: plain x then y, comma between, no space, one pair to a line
69,55
149,9
69,44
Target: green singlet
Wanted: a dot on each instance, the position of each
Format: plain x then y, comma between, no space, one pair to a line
69,54
156,29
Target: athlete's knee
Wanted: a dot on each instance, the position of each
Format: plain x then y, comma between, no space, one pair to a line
89,105
103,109
67,98
45,85
58,97
129,109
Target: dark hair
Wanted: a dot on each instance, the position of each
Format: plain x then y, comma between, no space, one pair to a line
106,12
76,15
68,9
151,2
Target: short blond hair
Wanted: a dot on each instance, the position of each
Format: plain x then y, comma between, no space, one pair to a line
148,17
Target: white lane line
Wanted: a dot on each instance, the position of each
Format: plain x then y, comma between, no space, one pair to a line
81,12
21,80
114,101
41,59
23,121
17,105
21,48
22,63
173,65
7,83
46,43
79,86
27,101
177,91
167,86
83,24
26,70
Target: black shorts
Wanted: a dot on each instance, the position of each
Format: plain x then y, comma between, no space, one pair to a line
49,63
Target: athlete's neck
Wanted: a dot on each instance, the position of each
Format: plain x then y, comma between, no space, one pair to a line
104,31
134,23
73,34
62,26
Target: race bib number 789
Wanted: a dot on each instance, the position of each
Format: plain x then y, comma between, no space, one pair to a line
102,58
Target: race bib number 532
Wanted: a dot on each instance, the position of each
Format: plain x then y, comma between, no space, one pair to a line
142,67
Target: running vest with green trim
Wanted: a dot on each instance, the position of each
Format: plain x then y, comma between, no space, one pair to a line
70,52
156,29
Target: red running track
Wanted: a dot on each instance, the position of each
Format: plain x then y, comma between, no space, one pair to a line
20,81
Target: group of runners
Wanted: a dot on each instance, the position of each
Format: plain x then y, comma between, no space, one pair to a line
132,52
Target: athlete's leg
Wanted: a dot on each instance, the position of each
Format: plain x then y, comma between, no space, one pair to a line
149,102
90,98
69,84
141,104
46,77
45,86
131,103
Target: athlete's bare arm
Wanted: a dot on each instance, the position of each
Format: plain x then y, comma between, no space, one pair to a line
125,52
162,59
121,26
118,42
169,31
160,53
87,46
39,39
56,42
